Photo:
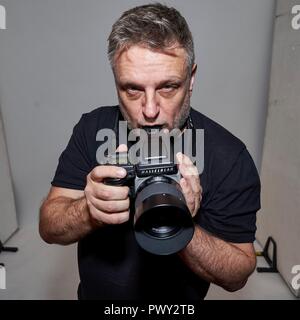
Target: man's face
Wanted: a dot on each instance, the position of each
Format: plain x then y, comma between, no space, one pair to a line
154,87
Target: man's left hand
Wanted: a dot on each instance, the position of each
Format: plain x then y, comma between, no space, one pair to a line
190,183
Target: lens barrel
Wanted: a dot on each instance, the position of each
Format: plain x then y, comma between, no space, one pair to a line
163,224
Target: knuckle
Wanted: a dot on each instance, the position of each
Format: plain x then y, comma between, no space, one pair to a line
125,216
93,173
191,201
105,219
99,170
109,207
118,219
197,189
105,194
115,219
87,192
121,218
189,192
126,191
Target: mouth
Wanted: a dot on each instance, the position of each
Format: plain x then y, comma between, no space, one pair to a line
157,126
153,126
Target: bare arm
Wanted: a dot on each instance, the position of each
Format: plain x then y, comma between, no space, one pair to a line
68,215
64,216
225,264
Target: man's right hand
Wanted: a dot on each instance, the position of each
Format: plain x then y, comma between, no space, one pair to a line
107,204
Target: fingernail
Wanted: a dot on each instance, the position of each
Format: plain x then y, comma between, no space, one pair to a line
179,156
121,172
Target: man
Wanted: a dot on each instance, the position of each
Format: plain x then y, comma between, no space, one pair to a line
152,57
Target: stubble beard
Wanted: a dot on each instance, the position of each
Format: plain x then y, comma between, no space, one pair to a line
182,116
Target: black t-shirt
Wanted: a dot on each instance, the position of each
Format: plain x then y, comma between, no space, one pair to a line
111,264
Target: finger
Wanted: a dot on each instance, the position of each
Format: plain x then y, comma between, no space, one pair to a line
186,189
191,175
197,206
190,172
194,182
188,194
102,191
184,162
110,206
106,192
122,148
194,194
99,173
182,158
115,218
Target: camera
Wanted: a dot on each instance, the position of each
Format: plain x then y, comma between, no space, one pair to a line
163,224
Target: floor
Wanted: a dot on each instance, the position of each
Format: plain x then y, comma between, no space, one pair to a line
46,272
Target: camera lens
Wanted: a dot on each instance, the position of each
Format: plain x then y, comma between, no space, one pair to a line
163,224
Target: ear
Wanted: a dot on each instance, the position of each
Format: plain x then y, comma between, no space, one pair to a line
193,74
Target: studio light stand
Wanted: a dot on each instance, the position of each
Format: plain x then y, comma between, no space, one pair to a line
272,261
7,249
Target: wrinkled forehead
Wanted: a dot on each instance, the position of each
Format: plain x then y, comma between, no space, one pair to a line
140,53
140,59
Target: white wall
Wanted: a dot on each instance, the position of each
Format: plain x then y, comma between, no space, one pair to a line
8,221
53,67
280,174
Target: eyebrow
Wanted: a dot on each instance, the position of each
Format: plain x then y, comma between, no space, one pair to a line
129,84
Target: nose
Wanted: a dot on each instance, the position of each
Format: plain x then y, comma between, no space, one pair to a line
150,106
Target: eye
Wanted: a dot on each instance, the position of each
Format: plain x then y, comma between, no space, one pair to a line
168,88
132,91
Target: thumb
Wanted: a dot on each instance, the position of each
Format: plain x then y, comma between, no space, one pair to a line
122,148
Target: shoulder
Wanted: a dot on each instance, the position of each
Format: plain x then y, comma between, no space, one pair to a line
216,136
99,118
85,131
101,115
222,151
221,147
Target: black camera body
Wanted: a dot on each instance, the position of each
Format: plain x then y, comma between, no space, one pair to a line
163,224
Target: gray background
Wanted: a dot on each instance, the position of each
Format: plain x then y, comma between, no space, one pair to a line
8,219
280,173
53,67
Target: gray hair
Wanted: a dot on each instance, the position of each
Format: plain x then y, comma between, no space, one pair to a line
155,26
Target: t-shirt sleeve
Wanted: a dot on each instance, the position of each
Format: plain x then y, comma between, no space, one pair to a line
74,163
230,213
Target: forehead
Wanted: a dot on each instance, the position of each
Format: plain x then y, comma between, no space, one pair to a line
138,62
